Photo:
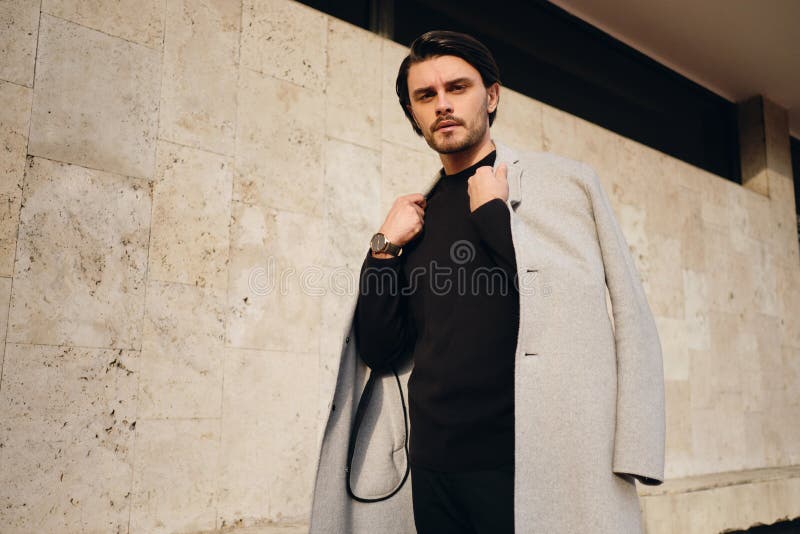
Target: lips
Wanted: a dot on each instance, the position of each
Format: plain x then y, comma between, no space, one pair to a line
445,124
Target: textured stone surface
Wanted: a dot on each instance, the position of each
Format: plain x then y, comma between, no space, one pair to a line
695,287
269,305
753,149
282,146
198,90
5,297
189,239
395,126
721,502
182,351
20,22
353,92
518,121
576,138
674,347
664,277
352,202
297,528
286,40
175,476
67,423
14,123
267,393
263,527
783,226
95,101
403,172
679,436
81,258
140,21
279,144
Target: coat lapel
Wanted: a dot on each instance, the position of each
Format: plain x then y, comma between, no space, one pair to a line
504,155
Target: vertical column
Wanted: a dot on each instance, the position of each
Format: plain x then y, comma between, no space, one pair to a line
767,165
764,143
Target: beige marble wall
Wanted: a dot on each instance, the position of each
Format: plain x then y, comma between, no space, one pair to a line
188,190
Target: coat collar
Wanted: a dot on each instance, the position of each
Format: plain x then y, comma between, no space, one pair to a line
504,155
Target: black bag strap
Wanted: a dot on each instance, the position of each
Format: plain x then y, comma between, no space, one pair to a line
360,410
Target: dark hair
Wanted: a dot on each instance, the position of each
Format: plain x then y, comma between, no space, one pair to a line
446,43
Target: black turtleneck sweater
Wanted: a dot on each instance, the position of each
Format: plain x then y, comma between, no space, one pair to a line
457,316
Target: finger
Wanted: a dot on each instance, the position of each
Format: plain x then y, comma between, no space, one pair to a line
419,203
502,171
415,197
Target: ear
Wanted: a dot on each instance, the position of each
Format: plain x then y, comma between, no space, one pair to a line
492,97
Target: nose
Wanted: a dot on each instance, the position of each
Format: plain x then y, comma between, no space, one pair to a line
443,105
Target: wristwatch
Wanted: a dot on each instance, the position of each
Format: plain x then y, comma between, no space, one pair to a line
379,243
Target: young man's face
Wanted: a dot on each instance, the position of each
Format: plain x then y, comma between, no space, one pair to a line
449,103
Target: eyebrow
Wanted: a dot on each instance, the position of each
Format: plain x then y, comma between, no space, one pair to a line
423,90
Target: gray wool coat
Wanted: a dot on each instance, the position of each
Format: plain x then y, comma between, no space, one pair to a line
589,392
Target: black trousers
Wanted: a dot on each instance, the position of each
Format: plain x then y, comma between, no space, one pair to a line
469,502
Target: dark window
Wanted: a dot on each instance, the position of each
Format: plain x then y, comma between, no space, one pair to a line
781,527
556,58
353,11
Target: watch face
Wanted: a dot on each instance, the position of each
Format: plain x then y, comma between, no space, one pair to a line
378,242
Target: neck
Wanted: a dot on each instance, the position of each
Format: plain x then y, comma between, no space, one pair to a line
458,161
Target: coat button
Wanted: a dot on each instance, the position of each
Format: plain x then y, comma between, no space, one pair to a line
347,339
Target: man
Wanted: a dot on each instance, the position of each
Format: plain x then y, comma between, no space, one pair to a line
529,411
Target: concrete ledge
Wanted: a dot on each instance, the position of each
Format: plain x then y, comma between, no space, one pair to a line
261,528
718,480
722,502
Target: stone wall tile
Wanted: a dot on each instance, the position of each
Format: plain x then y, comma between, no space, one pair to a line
279,145
20,22
679,427
95,101
189,239
133,20
518,122
175,473
270,304
5,297
286,40
268,436
674,347
695,289
14,124
81,258
182,351
404,171
67,425
198,90
353,93
352,202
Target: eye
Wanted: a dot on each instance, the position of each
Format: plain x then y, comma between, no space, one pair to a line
458,88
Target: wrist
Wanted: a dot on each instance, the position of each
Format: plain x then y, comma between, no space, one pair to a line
382,255
382,246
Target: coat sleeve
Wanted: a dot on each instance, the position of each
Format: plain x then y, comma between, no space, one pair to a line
640,431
